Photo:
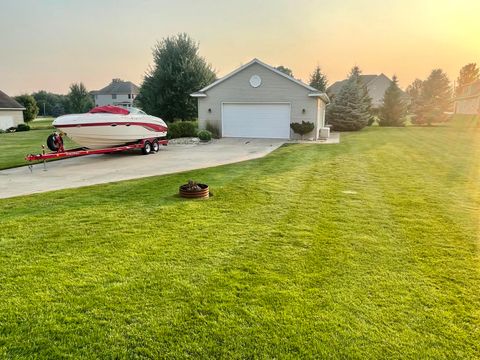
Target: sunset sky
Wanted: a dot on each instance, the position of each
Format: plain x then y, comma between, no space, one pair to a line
51,43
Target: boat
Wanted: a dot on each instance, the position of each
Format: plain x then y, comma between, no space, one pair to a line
110,126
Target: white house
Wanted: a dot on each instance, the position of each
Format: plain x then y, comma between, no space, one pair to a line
467,101
118,92
258,101
11,112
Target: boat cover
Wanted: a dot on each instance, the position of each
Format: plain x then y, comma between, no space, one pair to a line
110,109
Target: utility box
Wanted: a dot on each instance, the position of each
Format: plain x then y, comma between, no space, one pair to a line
324,133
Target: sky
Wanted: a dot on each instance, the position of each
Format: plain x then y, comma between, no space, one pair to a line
49,44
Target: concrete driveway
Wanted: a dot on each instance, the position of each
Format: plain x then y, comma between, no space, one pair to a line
99,169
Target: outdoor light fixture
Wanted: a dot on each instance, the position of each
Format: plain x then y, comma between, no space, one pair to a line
303,111
209,110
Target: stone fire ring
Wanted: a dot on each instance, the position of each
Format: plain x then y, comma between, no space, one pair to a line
203,193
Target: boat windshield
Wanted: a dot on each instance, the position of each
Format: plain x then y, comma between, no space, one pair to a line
136,111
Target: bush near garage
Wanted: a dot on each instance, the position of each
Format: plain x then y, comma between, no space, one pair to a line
179,129
204,135
23,127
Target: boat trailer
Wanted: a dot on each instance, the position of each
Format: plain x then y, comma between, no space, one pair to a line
146,145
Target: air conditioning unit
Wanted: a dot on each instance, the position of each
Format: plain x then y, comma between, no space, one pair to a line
324,133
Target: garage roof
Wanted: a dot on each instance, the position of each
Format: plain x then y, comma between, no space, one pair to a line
6,102
314,92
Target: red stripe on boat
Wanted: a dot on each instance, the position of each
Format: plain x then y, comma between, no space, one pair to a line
149,126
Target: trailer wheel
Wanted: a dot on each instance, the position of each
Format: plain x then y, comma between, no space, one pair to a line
155,146
147,148
52,142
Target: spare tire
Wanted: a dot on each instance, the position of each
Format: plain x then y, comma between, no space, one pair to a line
52,142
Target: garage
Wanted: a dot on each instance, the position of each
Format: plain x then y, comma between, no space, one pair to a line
258,120
259,101
11,112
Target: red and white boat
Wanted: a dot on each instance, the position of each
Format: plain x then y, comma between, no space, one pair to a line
110,126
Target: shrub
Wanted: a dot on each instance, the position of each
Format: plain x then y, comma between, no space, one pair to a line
2,131
304,128
213,130
205,135
180,129
23,127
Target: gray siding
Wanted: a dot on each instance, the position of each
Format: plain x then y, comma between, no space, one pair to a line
274,88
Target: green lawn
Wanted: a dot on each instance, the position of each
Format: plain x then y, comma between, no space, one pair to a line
365,250
41,123
15,146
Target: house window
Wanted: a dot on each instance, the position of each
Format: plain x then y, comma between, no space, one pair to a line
114,96
129,96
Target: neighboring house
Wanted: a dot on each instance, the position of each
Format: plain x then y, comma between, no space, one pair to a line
376,86
118,92
467,100
258,101
11,112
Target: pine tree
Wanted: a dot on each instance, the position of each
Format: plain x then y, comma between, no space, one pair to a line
393,110
351,108
318,80
435,99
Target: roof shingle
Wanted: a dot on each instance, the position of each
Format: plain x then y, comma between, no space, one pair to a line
6,102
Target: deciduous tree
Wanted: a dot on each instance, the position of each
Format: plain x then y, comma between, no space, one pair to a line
285,70
30,105
78,99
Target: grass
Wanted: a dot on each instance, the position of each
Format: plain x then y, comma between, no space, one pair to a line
367,249
42,123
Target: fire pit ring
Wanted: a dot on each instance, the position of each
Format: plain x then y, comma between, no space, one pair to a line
193,190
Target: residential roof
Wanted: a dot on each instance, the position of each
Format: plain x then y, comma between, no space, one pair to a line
6,102
470,90
117,87
314,92
337,86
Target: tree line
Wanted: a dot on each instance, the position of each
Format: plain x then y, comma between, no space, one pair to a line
78,100
178,70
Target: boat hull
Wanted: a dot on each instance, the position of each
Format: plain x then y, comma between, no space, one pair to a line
96,131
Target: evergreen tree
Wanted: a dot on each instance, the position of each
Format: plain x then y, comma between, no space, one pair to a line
318,80
78,99
393,110
435,99
414,91
468,74
351,108
178,71
30,105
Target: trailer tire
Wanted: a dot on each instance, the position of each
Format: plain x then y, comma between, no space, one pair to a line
147,148
51,143
155,146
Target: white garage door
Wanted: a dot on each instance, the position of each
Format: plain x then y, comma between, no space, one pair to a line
256,120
